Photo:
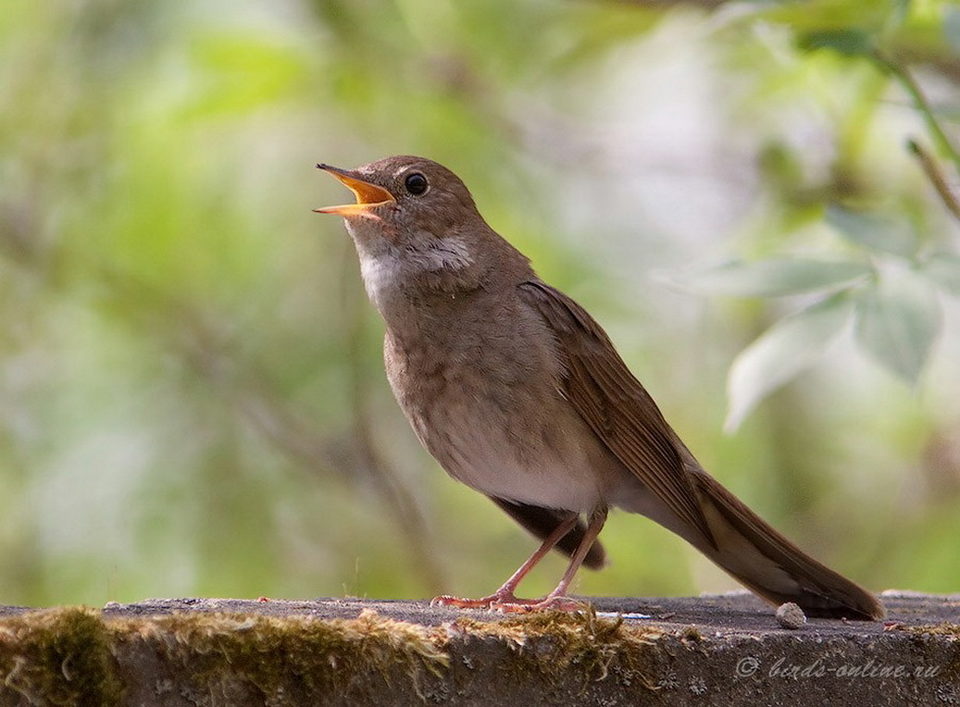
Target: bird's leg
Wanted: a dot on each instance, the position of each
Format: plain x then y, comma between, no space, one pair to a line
505,594
558,599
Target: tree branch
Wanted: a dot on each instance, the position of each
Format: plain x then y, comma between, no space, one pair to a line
932,169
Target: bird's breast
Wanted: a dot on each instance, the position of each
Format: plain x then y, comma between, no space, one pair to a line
485,402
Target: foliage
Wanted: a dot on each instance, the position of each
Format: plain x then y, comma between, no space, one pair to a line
896,270
191,396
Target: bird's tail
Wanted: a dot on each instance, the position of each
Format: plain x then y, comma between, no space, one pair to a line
762,559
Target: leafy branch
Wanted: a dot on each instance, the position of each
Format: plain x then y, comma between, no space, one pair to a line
910,85
889,290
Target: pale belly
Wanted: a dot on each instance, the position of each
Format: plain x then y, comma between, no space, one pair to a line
545,456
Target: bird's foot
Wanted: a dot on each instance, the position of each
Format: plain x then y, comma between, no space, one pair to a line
489,602
548,603
507,603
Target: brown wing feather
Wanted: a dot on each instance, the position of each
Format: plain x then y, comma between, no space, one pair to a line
542,521
615,405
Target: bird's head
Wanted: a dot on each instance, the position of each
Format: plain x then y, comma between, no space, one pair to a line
403,201
415,226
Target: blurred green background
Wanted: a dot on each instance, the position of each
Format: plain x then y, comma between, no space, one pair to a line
192,400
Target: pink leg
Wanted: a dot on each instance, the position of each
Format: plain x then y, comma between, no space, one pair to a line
505,594
557,599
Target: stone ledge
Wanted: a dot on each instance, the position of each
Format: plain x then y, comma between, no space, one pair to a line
700,651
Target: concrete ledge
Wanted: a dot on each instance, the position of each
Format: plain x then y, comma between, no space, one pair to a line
701,651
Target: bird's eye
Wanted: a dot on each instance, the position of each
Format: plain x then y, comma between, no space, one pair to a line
416,184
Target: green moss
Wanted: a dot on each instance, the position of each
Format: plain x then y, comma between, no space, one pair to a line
58,657
291,658
553,642
66,656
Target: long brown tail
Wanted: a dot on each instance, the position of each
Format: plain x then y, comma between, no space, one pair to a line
772,566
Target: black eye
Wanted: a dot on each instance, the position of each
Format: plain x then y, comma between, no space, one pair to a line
416,184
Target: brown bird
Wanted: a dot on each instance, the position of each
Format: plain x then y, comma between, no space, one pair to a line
519,393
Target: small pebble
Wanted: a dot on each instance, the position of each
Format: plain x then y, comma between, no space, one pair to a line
791,616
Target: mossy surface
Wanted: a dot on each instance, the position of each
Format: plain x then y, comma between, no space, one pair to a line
57,657
66,656
194,652
558,644
286,660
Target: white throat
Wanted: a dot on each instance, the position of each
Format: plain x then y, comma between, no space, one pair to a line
388,269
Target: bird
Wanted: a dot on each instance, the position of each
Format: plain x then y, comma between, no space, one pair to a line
520,394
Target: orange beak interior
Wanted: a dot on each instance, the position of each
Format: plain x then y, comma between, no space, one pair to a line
368,195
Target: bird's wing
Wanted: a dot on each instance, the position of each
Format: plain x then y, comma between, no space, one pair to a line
615,405
542,521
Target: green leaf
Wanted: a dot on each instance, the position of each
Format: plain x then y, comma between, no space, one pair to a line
780,353
848,41
898,321
943,269
872,232
775,277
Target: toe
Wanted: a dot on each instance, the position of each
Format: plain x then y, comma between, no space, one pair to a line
446,600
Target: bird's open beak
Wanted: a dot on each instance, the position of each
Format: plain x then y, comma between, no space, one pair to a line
368,195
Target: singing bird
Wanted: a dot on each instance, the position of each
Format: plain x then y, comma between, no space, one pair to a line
517,392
